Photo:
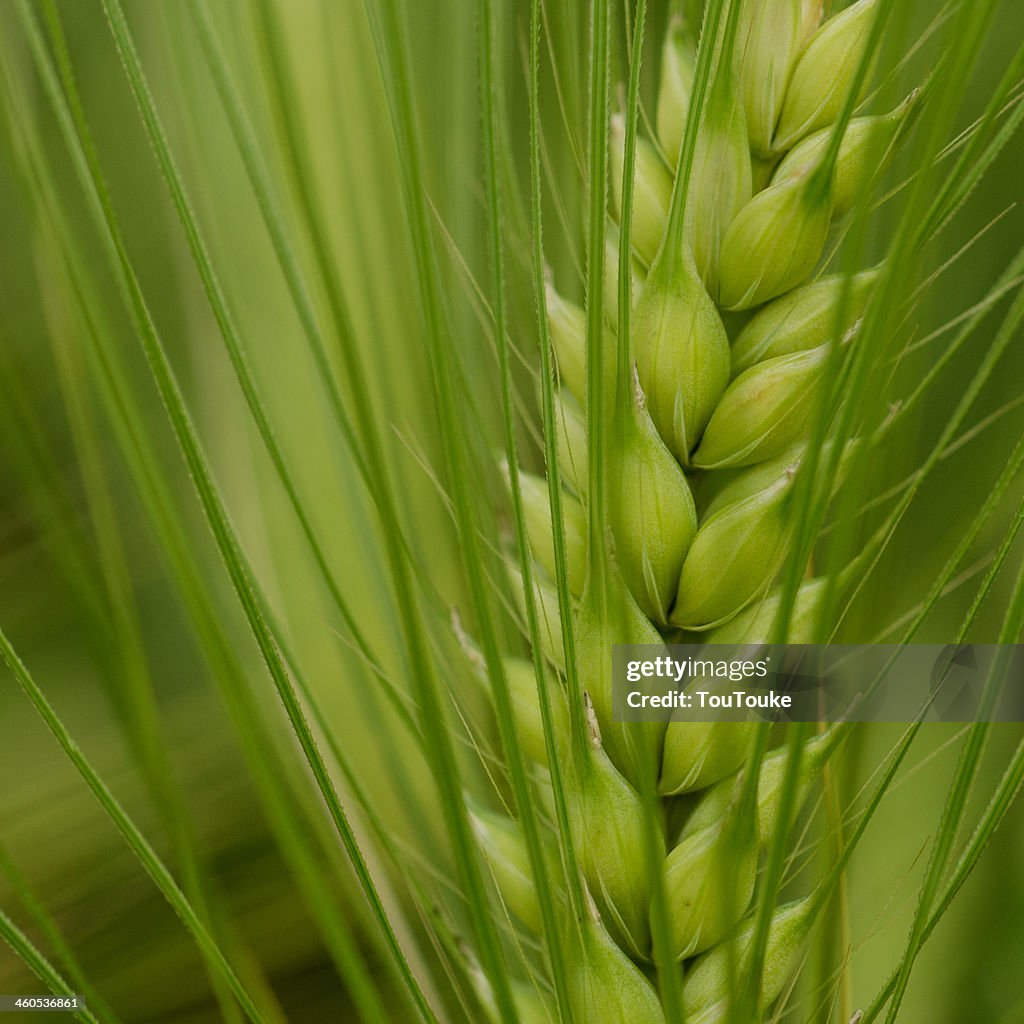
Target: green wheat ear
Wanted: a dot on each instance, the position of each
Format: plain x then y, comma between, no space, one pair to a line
769,86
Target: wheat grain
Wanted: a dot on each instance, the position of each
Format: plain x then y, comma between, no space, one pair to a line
766,184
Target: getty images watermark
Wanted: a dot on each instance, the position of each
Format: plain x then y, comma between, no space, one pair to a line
819,683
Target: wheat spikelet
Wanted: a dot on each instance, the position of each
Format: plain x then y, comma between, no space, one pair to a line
767,186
